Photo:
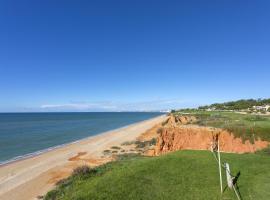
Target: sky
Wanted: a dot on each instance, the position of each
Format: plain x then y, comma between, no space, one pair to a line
131,55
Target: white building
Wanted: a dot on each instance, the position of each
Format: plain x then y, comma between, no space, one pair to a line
262,108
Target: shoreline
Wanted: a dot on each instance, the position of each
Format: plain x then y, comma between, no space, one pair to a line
42,151
46,168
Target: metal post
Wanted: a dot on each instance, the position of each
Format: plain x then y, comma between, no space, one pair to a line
219,165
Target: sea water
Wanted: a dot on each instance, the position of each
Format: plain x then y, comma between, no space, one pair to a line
26,134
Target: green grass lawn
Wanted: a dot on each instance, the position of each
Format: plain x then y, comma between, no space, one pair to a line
181,175
246,126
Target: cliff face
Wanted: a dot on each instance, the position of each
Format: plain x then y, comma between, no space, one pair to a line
202,138
175,121
176,136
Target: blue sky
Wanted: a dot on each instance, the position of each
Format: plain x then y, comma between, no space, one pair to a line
132,55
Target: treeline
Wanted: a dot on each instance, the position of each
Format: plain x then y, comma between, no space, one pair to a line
242,104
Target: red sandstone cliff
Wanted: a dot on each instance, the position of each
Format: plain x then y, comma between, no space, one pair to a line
202,138
175,135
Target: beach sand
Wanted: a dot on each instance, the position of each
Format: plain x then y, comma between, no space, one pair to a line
32,177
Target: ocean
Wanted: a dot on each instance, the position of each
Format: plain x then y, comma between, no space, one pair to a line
26,134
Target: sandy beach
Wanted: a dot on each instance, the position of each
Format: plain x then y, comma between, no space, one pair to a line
32,177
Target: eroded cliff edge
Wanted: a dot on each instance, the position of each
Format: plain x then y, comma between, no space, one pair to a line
179,133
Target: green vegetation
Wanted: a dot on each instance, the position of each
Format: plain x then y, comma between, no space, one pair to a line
141,144
246,126
107,152
238,105
82,170
180,175
265,151
116,147
184,175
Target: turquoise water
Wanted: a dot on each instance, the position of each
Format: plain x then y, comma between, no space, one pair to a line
22,134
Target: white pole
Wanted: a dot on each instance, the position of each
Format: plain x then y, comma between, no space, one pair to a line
219,165
228,174
236,193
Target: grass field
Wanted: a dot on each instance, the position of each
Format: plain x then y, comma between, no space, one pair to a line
246,126
181,175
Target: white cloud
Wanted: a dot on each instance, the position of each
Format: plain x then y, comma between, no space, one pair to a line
69,105
154,105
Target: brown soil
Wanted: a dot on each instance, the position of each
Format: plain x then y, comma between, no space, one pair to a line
203,138
59,175
151,133
77,157
76,161
175,121
178,134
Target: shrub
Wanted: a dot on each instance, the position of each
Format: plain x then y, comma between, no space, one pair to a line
153,141
52,195
115,147
107,151
142,144
263,112
63,182
128,143
83,171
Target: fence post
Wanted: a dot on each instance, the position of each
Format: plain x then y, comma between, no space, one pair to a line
228,174
219,165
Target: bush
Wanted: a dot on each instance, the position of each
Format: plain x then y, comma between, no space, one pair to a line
106,152
263,112
142,144
115,147
52,195
153,141
83,171
127,143
63,182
